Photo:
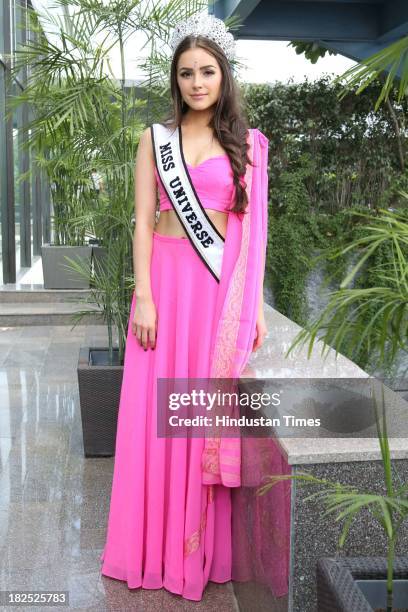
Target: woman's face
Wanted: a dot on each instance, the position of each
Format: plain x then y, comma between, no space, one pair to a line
198,72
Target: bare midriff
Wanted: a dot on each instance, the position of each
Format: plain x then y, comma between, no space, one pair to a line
169,224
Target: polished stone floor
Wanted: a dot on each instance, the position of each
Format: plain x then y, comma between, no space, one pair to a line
53,501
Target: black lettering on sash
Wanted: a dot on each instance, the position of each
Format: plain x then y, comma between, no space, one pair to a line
196,227
166,156
203,233
175,182
208,241
179,193
165,148
191,217
180,196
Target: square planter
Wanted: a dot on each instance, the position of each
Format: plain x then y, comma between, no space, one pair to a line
99,393
358,584
56,274
99,257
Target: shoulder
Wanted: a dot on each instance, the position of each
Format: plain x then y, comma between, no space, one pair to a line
146,142
146,135
154,130
145,151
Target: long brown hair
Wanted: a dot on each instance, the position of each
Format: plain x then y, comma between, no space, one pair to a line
228,121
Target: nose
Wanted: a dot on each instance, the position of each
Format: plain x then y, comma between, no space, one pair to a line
197,81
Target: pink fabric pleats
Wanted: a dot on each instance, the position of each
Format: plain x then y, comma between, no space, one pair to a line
261,523
166,528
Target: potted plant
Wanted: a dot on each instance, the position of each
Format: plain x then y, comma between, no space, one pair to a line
68,176
100,369
69,198
102,119
364,581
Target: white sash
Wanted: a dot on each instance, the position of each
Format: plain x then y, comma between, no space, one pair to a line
176,181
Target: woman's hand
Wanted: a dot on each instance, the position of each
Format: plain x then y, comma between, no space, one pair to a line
261,330
144,323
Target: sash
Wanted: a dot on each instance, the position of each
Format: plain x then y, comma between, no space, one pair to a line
176,181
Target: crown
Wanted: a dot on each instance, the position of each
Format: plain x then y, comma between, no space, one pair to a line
204,24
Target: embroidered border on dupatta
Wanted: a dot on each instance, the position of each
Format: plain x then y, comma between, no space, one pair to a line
225,349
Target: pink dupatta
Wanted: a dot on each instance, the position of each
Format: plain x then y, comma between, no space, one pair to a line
237,304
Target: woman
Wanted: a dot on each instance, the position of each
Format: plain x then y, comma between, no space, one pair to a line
197,311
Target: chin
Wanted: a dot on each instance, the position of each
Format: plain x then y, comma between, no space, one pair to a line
204,102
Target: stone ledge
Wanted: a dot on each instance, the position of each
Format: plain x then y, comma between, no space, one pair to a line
270,362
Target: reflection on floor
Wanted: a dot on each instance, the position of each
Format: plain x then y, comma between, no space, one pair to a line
53,501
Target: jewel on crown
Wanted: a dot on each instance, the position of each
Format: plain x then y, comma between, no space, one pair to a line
204,24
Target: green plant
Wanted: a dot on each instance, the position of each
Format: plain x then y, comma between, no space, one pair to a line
390,63
343,158
371,318
86,117
374,317
312,50
389,510
291,236
104,294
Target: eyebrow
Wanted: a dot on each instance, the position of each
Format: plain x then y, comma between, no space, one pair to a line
208,66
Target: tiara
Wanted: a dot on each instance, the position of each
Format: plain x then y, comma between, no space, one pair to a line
204,24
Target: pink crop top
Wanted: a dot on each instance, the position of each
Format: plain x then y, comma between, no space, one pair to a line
212,180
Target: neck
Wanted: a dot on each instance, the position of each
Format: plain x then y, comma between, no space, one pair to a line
198,119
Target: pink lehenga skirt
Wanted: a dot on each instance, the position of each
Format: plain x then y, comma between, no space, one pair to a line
165,528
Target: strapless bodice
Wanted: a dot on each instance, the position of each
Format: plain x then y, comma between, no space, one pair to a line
213,183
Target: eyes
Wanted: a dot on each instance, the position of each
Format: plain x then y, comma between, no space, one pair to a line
207,72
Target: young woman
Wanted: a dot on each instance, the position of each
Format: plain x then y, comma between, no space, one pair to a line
197,312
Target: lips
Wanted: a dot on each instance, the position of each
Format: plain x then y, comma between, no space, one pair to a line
199,96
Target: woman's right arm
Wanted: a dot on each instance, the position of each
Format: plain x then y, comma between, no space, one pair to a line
144,324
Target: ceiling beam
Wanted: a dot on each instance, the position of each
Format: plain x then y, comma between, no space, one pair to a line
394,20
296,19
225,8
354,51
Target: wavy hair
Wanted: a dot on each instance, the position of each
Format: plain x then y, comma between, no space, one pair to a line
229,121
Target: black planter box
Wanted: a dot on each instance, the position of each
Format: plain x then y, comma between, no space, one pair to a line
99,393
341,582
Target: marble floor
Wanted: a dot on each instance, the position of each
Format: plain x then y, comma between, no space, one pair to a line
54,501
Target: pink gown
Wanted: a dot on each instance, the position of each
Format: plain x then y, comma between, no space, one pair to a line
160,532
